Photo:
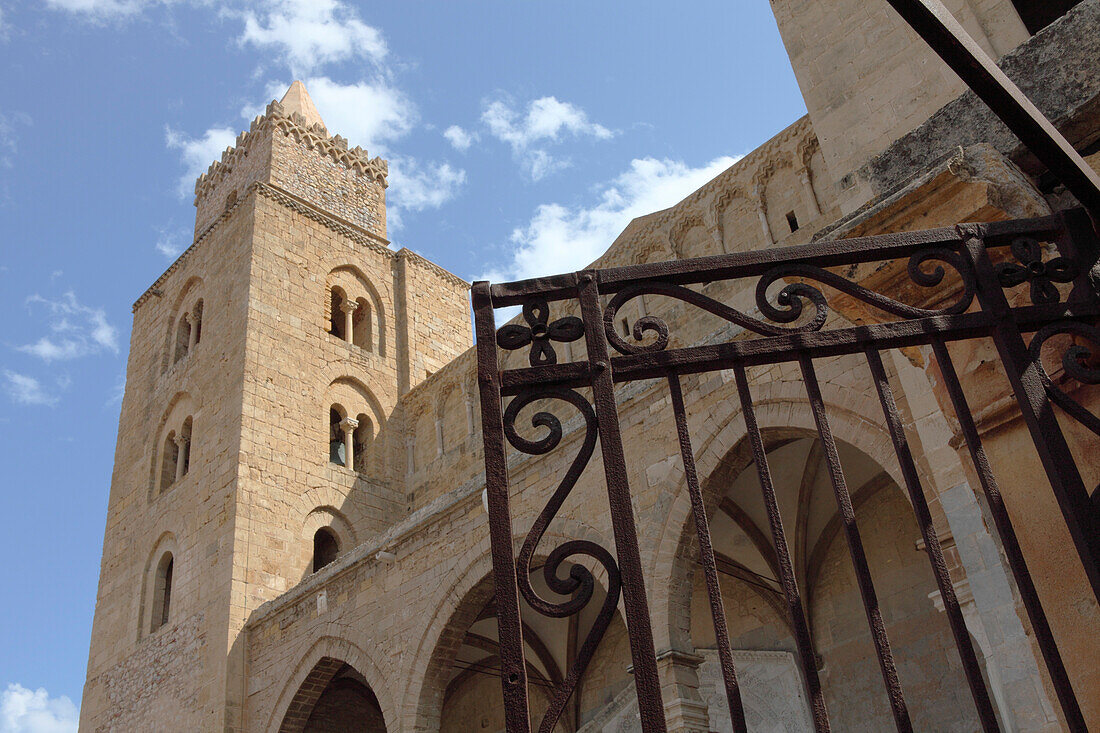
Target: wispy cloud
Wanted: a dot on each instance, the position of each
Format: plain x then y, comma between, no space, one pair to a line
197,153
460,139
103,10
27,390
547,120
76,330
34,711
9,137
560,238
171,241
416,187
308,34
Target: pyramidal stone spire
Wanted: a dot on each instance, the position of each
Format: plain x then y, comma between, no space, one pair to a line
297,99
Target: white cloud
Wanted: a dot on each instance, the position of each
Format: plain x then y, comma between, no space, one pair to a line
562,239
414,187
198,153
547,120
25,390
76,330
460,139
34,711
311,33
171,241
101,10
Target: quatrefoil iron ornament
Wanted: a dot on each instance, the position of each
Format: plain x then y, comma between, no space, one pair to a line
539,333
1031,269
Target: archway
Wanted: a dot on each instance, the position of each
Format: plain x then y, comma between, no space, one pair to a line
333,698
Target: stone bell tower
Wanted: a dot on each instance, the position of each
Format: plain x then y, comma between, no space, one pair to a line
264,367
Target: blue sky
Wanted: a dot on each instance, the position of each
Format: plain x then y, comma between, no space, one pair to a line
522,137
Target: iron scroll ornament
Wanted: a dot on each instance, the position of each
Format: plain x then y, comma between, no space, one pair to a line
1075,362
539,332
792,300
580,584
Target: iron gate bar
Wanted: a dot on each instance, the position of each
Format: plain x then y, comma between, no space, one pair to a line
642,652
1082,519
1048,647
946,36
855,549
706,557
911,477
795,610
513,670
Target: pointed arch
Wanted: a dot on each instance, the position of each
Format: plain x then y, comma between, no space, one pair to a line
315,670
179,327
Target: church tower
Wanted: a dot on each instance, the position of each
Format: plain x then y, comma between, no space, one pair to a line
258,439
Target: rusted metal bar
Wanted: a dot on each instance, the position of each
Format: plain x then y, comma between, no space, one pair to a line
513,675
908,467
646,681
1025,376
795,610
855,549
706,558
946,36
1016,563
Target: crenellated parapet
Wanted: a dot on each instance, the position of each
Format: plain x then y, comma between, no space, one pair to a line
293,125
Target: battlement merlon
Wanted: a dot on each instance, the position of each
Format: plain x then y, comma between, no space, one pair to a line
289,145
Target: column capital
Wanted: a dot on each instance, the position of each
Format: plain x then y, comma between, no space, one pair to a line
181,440
349,424
349,306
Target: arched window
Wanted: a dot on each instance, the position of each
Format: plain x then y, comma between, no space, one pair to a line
169,459
362,335
162,592
337,448
363,437
337,318
183,337
325,548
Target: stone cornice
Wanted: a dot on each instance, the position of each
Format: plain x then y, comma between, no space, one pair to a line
314,137
294,203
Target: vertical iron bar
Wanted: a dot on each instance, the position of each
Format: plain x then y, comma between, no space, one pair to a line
513,670
946,36
787,576
855,548
1024,374
932,544
646,681
706,556
1016,563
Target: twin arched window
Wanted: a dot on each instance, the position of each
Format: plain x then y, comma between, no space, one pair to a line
349,438
175,455
188,331
350,319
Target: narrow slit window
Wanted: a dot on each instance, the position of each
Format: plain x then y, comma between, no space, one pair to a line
792,221
162,590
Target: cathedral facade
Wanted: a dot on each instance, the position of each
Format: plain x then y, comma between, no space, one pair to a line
297,536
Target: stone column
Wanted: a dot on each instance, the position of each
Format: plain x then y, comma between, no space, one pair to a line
762,212
348,425
193,322
809,196
183,445
349,307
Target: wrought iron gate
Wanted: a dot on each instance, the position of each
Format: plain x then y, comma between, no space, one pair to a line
793,287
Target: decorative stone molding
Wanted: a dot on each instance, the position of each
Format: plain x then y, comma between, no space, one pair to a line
314,137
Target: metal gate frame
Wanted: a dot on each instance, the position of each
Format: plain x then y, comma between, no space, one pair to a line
791,329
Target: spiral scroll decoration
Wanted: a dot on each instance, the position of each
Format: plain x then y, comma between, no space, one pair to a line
794,302
580,583
1075,361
